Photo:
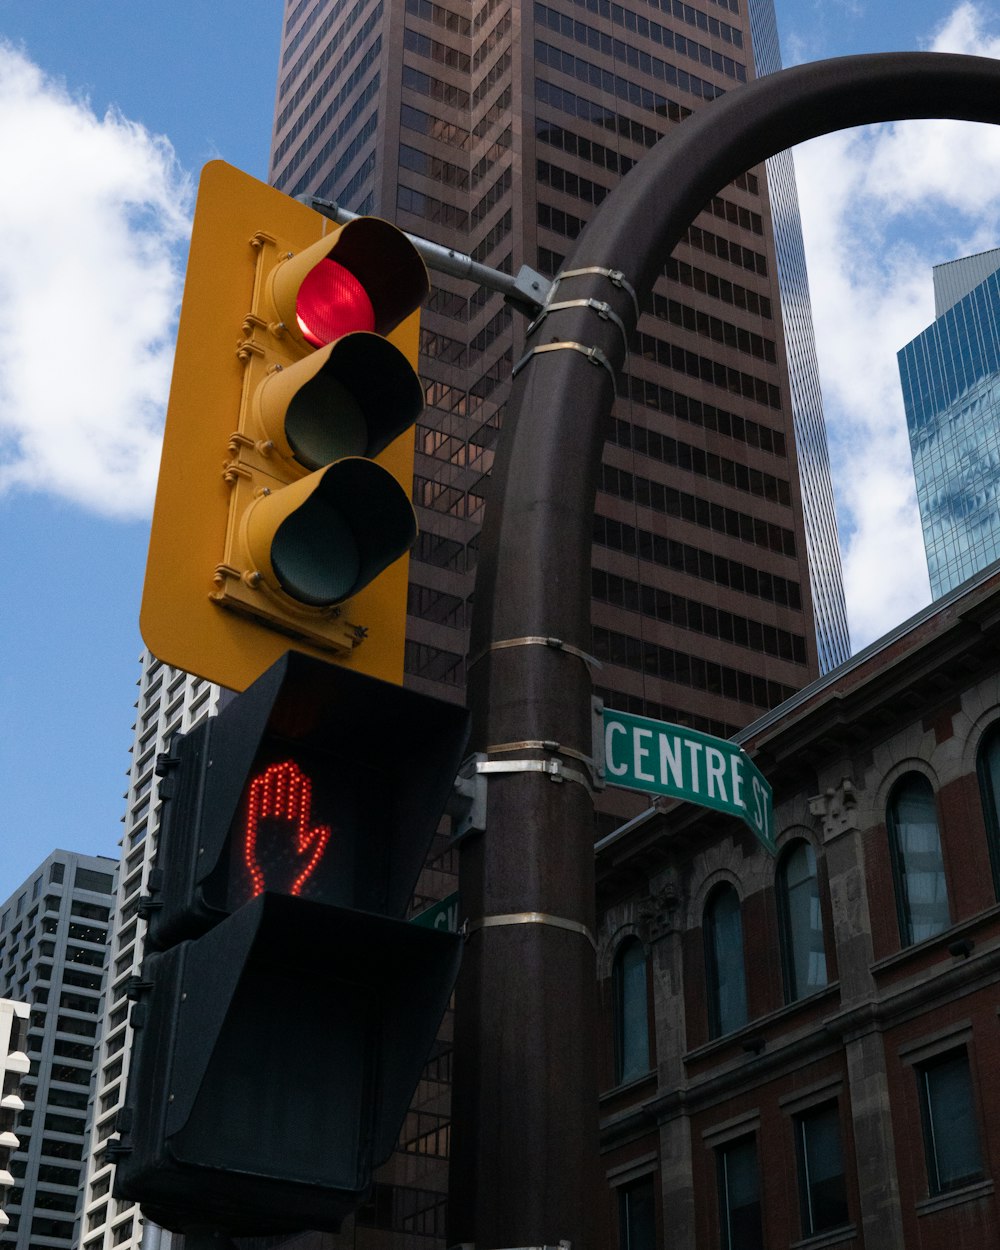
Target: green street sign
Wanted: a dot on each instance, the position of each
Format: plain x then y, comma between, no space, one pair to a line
443,915
659,758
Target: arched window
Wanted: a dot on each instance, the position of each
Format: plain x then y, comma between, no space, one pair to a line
803,956
631,1012
918,869
988,765
725,973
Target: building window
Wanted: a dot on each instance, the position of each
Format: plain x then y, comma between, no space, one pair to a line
637,1216
739,1196
121,1232
951,1138
98,882
801,922
631,1012
822,1184
988,766
918,869
725,973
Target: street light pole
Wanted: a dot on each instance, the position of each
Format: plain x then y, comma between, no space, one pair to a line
524,1149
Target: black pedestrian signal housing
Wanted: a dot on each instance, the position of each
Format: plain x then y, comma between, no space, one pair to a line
286,1009
318,782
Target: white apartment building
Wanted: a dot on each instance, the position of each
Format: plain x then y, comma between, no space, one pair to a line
170,701
53,950
14,1065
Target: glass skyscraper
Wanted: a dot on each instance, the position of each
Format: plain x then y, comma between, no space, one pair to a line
819,511
950,376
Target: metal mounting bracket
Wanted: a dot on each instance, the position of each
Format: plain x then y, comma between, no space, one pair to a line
614,276
536,640
593,354
527,917
604,311
471,1245
555,769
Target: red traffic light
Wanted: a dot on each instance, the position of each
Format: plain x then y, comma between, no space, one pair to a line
331,303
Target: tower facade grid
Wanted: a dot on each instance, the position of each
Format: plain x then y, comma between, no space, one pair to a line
497,130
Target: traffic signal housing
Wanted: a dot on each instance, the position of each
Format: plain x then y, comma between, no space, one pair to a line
283,503
285,1009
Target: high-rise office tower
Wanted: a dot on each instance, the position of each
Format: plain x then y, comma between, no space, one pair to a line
53,950
169,701
496,128
819,511
950,375
14,1066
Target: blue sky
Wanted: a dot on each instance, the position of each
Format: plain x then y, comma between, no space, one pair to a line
97,202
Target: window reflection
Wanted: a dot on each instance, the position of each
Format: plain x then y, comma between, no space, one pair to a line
631,1012
988,765
918,868
801,922
726,976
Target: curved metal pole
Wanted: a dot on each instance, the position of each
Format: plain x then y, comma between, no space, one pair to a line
524,1150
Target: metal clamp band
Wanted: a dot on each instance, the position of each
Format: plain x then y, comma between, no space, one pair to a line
471,1245
554,768
528,917
542,744
593,354
604,311
614,276
536,640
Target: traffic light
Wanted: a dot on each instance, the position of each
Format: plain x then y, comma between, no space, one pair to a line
283,509
285,1009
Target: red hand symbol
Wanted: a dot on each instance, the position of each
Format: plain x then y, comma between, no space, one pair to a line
283,792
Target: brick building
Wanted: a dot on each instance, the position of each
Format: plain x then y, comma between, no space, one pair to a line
803,1050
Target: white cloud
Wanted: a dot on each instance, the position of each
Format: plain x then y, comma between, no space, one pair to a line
880,207
93,213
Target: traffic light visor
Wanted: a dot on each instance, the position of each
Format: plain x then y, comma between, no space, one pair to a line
350,398
325,537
